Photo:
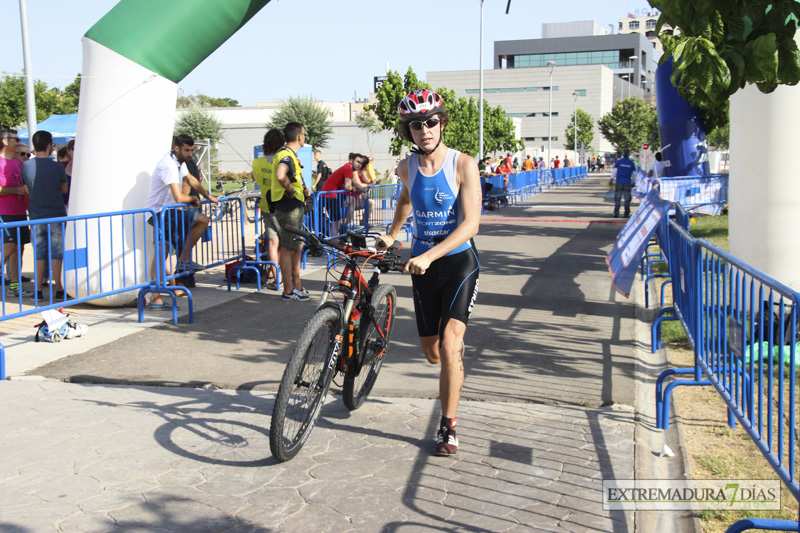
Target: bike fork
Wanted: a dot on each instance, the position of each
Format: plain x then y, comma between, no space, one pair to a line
335,353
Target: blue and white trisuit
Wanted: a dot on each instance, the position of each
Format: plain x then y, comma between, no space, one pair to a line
448,288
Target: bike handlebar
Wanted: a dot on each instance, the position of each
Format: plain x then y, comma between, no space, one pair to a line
388,259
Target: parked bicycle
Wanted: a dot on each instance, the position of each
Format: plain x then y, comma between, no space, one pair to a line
346,335
249,200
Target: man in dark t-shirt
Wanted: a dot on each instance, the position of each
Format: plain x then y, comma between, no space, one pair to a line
47,183
322,172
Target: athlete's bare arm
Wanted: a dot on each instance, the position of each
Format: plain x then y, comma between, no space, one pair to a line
401,212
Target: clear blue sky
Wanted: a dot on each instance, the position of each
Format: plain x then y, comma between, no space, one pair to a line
335,46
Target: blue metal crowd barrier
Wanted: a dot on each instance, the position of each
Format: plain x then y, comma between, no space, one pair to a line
95,264
743,327
523,185
90,273
92,267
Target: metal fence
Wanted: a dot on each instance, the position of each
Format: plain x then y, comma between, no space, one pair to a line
743,326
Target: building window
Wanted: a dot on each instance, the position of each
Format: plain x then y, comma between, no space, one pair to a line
651,24
473,91
512,90
610,58
633,25
581,92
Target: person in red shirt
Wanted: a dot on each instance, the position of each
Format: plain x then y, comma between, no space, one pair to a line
505,169
556,163
346,177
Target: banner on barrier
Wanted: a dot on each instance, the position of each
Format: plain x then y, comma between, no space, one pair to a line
707,194
623,259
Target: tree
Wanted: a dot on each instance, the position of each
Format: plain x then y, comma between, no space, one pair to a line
462,133
585,130
13,106
719,137
725,44
309,112
73,90
389,95
630,123
369,123
199,124
203,100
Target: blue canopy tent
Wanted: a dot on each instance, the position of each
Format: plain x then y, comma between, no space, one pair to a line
61,126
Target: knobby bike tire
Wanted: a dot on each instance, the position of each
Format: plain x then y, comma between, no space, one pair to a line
358,382
301,395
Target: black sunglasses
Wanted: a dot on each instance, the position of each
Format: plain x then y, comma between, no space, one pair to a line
430,123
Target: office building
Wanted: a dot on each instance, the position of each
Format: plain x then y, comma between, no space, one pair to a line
578,64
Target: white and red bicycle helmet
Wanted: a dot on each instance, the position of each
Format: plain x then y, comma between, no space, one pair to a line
420,104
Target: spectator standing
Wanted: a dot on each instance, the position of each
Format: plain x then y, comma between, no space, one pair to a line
166,188
393,176
657,168
322,173
23,153
193,186
368,175
13,207
624,169
528,164
505,170
47,182
288,196
556,163
264,173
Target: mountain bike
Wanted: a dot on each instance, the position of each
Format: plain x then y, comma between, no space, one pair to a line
225,208
347,335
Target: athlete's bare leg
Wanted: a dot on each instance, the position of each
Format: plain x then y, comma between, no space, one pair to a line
448,350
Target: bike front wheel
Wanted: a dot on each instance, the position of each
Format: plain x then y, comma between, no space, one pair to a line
302,390
375,335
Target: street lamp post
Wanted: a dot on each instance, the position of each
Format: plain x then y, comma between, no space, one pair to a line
552,65
633,68
622,87
480,98
575,96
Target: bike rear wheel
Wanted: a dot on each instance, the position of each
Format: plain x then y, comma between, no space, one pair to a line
359,379
301,392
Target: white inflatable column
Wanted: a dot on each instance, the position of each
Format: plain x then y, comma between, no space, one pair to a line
764,188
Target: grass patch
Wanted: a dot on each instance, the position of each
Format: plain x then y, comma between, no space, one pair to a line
713,228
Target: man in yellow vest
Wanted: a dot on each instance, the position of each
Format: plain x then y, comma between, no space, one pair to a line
288,198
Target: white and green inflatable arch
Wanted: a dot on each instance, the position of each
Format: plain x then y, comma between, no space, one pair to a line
133,59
